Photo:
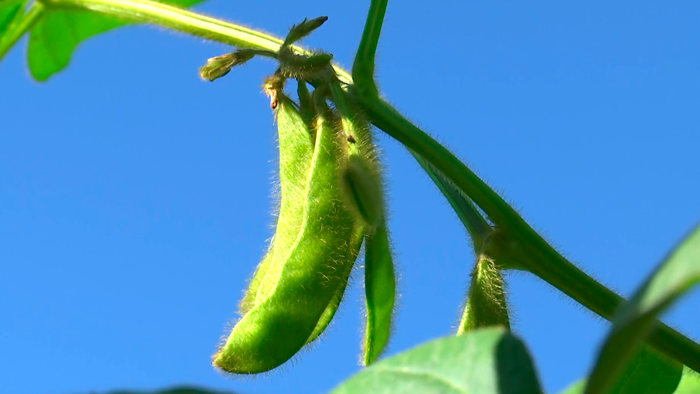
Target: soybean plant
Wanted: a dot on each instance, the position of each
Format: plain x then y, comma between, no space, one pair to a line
332,204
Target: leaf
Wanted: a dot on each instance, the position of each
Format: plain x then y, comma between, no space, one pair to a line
54,38
575,388
690,382
649,372
488,361
11,12
8,10
634,321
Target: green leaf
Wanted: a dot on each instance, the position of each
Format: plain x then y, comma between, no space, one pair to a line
690,382
488,361
54,38
649,372
634,321
575,388
9,11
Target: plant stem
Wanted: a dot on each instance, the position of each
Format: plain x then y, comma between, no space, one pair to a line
537,255
36,11
477,227
553,268
182,20
363,66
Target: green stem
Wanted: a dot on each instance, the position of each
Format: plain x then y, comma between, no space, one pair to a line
394,124
477,227
182,20
363,67
537,255
36,11
553,268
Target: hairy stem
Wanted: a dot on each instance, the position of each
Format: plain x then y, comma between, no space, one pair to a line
184,21
363,66
537,255
477,227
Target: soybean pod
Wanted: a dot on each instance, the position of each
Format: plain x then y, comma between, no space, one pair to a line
365,190
486,304
359,231
295,154
280,323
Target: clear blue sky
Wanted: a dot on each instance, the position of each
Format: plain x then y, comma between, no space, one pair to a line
134,198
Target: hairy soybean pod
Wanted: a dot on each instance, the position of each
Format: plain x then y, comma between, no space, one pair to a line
358,233
380,290
295,152
366,191
486,301
332,307
279,325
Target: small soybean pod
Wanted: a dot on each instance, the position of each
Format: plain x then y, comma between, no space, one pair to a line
280,324
358,233
380,291
486,304
295,153
365,185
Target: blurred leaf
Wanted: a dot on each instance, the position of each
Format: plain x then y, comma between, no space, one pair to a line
633,322
54,38
649,372
10,14
575,388
175,390
690,382
488,361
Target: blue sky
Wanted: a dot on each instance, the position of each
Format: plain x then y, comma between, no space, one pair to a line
134,198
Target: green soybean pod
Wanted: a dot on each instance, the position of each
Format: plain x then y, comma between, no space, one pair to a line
332,308
355,245
380,281
365,189
486,304
380,291
295,154
365,183
279,325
